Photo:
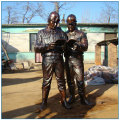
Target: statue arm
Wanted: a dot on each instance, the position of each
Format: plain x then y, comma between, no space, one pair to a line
82,44
39,46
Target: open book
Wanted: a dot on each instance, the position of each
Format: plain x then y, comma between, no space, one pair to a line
71,42
60,42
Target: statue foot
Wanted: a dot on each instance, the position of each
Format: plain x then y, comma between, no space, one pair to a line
71,100
86,102
66,105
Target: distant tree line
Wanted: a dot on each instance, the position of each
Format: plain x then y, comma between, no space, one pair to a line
110,13
26,11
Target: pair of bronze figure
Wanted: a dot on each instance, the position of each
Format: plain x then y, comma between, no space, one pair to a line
52,58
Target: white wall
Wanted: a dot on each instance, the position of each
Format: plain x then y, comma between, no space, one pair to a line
16,42
20,42
93,39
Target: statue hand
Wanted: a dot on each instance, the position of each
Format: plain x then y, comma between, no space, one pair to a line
75,46
52,45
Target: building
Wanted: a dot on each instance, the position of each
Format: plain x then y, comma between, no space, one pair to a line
18,39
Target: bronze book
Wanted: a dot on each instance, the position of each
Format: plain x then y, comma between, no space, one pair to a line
60,42
71,42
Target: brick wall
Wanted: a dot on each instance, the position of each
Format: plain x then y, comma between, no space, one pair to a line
98,55
112,55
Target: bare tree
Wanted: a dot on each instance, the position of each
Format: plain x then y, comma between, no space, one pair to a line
109,13
9,14
30,11
10,19
41,11
23,13
59,6
86,16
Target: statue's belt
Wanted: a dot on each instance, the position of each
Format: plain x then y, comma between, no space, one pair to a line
52,53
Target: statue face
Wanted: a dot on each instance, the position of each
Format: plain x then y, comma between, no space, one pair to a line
53,20
52,24
71,23
71,26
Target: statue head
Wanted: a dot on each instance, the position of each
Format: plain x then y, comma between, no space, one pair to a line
71,22
53,20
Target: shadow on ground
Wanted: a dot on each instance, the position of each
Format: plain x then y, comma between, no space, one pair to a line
11,81
54,109
19,71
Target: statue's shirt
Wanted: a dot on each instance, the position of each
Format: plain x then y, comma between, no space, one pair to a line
81,42
47,36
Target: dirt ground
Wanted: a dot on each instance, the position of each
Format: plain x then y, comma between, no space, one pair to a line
22,90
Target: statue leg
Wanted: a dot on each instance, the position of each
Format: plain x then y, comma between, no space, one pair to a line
45,93
59,72
70,81
79,75
47,77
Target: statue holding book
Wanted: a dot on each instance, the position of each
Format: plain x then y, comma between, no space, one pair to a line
50,43
77,44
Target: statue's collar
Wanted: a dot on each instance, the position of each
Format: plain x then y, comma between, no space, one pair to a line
50,30
72,33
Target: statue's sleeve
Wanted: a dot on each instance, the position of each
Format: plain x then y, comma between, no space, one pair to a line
65,36
40,46
82,43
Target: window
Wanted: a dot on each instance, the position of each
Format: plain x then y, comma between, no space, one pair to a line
38,57
33,37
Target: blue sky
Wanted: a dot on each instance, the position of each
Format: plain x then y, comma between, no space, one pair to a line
81,9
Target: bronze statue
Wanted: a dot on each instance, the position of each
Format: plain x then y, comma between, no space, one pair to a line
76,45
49,43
